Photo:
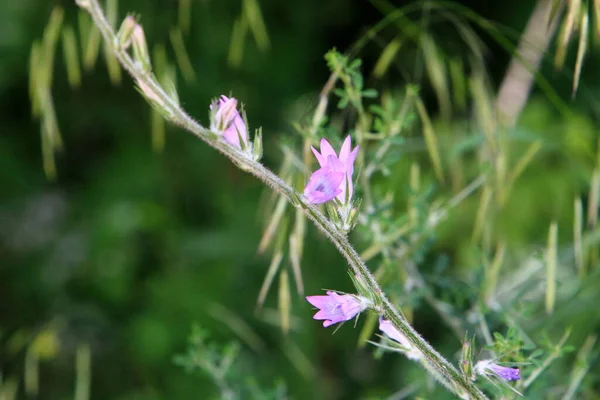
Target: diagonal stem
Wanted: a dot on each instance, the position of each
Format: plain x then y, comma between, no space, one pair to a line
434,362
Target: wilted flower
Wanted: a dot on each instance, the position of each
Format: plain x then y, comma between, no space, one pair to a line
489,368
334,308
390,331
332,164
227,121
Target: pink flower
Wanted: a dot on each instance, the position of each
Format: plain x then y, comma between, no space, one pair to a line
329,161
390,331
324,184
335,308
228,122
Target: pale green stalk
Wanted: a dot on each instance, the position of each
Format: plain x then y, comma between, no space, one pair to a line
445,371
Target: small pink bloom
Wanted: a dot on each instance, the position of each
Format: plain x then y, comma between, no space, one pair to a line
328,159
390,331
335,308
228,122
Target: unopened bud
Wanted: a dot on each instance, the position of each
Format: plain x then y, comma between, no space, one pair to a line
151,95
140,48
257,149
466,359
226,121
125,31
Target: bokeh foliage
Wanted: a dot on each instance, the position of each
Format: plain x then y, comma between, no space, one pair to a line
107,265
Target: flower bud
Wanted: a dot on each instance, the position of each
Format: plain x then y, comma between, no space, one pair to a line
257,149
390,331
140,48
152,97
125,31
466,359
227,122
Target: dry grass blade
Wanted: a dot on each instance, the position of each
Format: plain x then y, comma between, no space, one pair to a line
256,24
594,199
181,55
185,15
485,114
264,289
112,64
158,127
524,161
437,74
71,56
51,35
92,48
238,326
273,224
83,371
236,44
285,301
415,186
566,31
581,49
581,367
551,265
430,140
597,16
299,359
296,247
554,10
31,374
577,236
459,86
387,56
482,212
34,77
492,272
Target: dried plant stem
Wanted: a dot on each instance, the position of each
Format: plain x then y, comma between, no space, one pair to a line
456,382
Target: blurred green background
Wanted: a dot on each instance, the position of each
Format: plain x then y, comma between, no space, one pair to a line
129,247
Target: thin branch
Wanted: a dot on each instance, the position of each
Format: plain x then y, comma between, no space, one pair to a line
444,370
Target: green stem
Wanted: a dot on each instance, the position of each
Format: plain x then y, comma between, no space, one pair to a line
444,369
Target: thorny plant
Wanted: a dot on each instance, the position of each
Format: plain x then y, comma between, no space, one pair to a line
376,131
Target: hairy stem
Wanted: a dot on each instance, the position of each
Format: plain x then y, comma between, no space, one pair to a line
445,371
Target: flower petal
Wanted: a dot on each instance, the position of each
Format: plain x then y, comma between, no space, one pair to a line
345,150
320,159
326,149
236,129
318,301
349,162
